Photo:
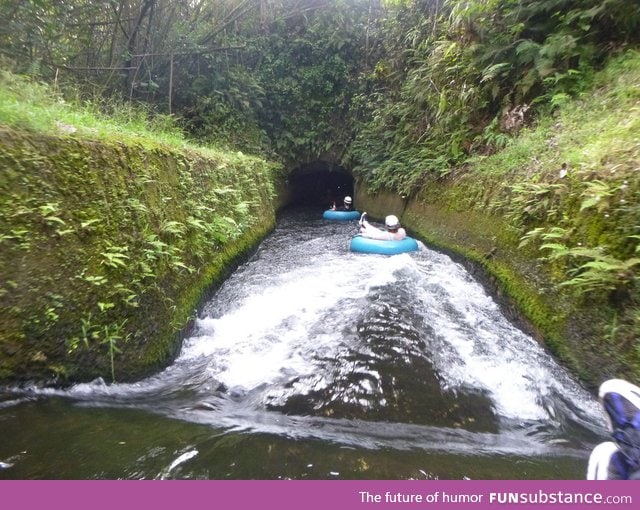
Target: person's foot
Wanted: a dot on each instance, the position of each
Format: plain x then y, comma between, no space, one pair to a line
621,401
606,463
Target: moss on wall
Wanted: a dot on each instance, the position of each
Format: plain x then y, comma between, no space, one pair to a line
570,326
378,205
107,249
552,222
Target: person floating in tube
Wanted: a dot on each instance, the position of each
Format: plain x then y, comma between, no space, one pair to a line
393,232
618,459
347,205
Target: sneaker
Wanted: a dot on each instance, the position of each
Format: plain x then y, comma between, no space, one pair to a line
607,463
621,401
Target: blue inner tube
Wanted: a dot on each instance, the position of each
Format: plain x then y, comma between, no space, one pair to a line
341,215
365,245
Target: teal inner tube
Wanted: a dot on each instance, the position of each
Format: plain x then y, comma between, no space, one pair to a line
341,215
362,244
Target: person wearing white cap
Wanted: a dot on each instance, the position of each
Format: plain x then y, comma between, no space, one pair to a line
347,205
393,232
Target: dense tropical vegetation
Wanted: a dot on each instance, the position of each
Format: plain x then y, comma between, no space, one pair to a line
419,84
402,92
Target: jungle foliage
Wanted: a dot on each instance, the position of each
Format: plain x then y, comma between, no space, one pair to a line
265,76
470,74
401,89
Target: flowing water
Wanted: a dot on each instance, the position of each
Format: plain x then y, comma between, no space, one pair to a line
312,362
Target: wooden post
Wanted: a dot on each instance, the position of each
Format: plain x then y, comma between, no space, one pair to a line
170,81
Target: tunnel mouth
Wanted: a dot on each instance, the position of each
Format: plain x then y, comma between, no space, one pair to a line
319,184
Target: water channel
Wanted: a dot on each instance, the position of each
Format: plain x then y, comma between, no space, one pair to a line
311,362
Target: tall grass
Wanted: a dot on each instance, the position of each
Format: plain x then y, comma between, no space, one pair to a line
38,107
597,133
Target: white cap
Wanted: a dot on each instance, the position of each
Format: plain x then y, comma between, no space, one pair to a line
347,200
392,222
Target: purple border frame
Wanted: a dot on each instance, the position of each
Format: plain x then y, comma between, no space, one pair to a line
316,495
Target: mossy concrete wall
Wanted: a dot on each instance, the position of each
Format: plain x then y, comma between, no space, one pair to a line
106,249
568,326
378,205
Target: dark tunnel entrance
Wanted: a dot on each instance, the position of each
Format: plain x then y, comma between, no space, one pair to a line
319,183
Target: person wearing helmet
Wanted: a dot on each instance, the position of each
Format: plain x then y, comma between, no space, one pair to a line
393,232
347,205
